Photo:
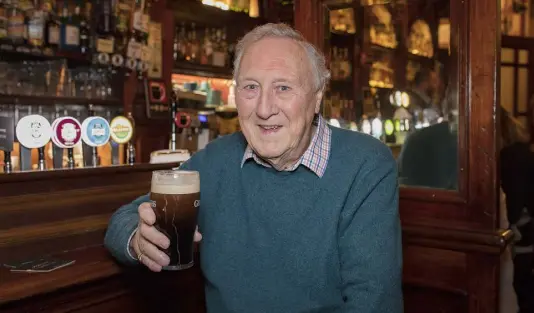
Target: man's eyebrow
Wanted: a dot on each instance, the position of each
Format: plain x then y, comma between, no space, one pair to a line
245,78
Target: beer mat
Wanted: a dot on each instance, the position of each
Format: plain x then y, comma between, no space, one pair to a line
42,265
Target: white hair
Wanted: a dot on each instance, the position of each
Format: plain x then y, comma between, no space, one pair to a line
316,58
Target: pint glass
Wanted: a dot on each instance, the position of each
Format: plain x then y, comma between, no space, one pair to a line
175,198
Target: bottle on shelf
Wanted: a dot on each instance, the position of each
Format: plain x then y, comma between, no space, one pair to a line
70,28
104,33
86,43
16,26
146,51
181,44
194,45
52,28
122,13
219,51
36,26
3,21
207,48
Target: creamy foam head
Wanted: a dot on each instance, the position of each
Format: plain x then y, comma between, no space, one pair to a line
175,182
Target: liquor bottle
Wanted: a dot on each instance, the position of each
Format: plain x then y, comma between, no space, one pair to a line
70,28
16,27
3,21
139,41
104,32
36,26
146,50
181,43
207,48
224,47
123,12
194,45
219,55
175,45
86,44
52,28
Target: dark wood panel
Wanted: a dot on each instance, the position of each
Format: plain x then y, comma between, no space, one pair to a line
18,211
483,282
419,299
37,232
62,180
51,246
440,269
95,281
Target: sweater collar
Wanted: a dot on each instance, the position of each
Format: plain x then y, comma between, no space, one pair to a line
314,158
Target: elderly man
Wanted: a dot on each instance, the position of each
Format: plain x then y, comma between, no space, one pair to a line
295,216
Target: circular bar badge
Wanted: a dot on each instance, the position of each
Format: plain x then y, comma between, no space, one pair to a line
67,132
33,131
121,129
95,131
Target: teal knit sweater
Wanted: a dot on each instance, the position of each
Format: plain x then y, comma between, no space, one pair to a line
293,242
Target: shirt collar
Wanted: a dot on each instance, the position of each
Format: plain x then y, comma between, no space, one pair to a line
314,158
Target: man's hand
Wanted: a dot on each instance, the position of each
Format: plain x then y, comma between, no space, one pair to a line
148,241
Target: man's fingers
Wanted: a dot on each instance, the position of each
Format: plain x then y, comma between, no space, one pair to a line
198,236
146,213
154,236
152,253
151,264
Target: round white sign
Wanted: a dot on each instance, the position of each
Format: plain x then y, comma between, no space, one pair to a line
33,131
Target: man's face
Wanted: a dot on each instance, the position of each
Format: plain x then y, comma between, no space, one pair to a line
276,99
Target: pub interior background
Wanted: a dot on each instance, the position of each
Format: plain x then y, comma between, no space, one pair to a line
149,82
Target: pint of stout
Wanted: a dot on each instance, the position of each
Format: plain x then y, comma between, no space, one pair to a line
175,197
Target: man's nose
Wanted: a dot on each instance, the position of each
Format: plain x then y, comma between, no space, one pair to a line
267,105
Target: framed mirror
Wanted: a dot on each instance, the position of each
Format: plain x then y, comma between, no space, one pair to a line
395,76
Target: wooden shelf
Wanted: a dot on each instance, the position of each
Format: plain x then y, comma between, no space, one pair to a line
188,68
51,100
195,11
11,53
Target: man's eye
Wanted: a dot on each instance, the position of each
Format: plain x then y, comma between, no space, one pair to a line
284,88
251,87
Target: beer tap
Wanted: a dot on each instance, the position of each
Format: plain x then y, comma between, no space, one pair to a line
57,151
70,158
66,134
90,153
131,142
7,130
25,152
33,132
41,150
174,109
70,152
8,166
114,144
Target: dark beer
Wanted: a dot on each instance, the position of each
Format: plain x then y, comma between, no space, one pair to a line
175,198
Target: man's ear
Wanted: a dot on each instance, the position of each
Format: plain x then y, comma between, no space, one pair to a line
318,100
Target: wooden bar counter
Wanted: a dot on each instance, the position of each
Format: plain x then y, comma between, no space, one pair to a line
65,214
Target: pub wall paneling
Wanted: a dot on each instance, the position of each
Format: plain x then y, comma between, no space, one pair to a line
451,240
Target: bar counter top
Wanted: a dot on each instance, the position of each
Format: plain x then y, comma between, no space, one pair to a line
95,269
92,263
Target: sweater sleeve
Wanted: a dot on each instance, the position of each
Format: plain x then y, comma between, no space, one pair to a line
370,240
124,223
121,226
